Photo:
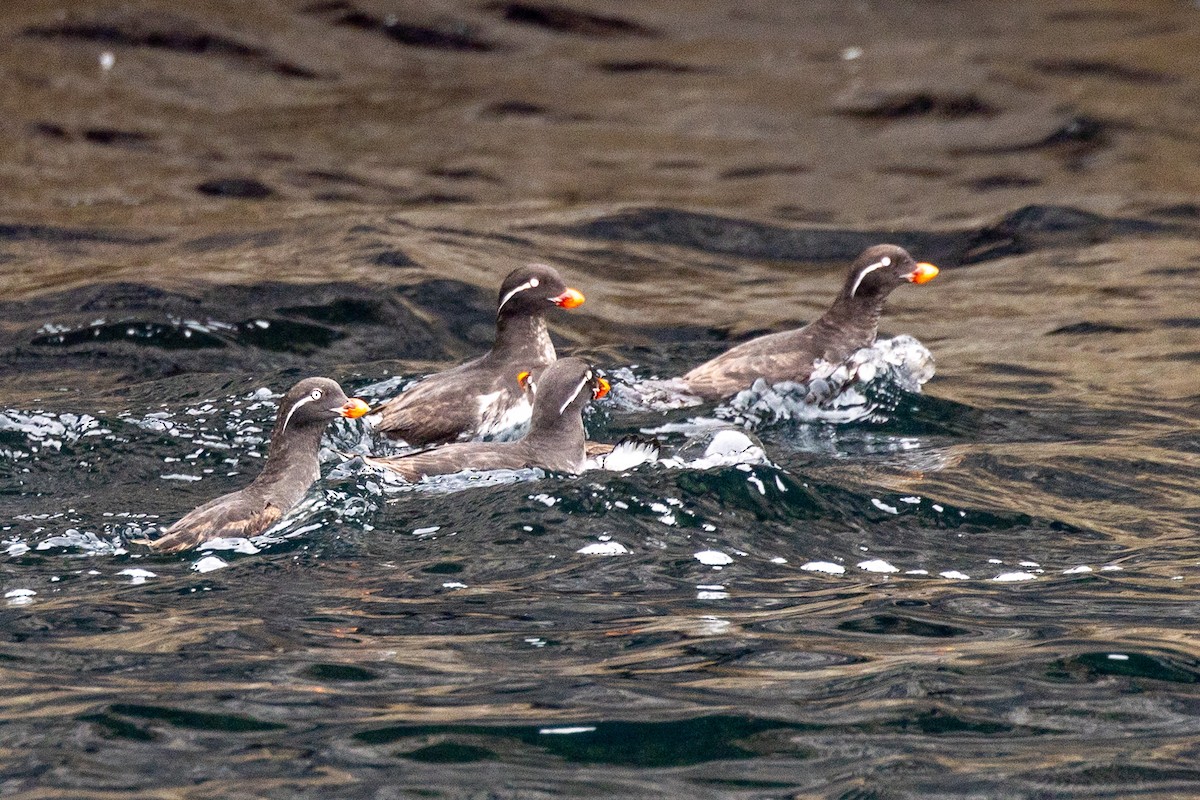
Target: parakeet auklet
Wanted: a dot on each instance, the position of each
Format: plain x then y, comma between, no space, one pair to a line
481,397
555,440
849,324
291,468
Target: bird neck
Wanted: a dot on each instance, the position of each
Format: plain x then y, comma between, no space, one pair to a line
561,431
292,458
523,335
853,314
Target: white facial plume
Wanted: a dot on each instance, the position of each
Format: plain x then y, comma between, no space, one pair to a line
314,395
867,270
532,283
586,380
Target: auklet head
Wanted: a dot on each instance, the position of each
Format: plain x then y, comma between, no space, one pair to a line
315,402
533,288
880,269
563,389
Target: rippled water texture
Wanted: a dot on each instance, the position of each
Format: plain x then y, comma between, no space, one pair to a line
985,586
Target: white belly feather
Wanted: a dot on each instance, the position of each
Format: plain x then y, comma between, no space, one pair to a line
501,421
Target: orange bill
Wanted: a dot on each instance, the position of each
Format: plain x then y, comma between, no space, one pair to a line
354,408
523,378
924,273
571,298
602,387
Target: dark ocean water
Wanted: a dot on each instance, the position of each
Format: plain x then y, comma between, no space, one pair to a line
986,587
946,596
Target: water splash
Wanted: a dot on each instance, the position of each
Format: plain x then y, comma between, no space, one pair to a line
43,430
87,542
867,385
870,386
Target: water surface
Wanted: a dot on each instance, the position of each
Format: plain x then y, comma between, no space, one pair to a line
986,589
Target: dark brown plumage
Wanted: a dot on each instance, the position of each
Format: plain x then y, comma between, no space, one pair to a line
555,440
850,324
482,397
291,467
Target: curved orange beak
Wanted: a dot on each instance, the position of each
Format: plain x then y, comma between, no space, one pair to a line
354,408
523,379
571,298
602,387
924,273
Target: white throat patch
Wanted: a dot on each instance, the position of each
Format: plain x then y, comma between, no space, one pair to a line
532,283
867,270
586,379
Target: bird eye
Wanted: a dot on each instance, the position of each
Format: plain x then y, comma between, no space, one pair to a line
887,262
533,283
315,394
